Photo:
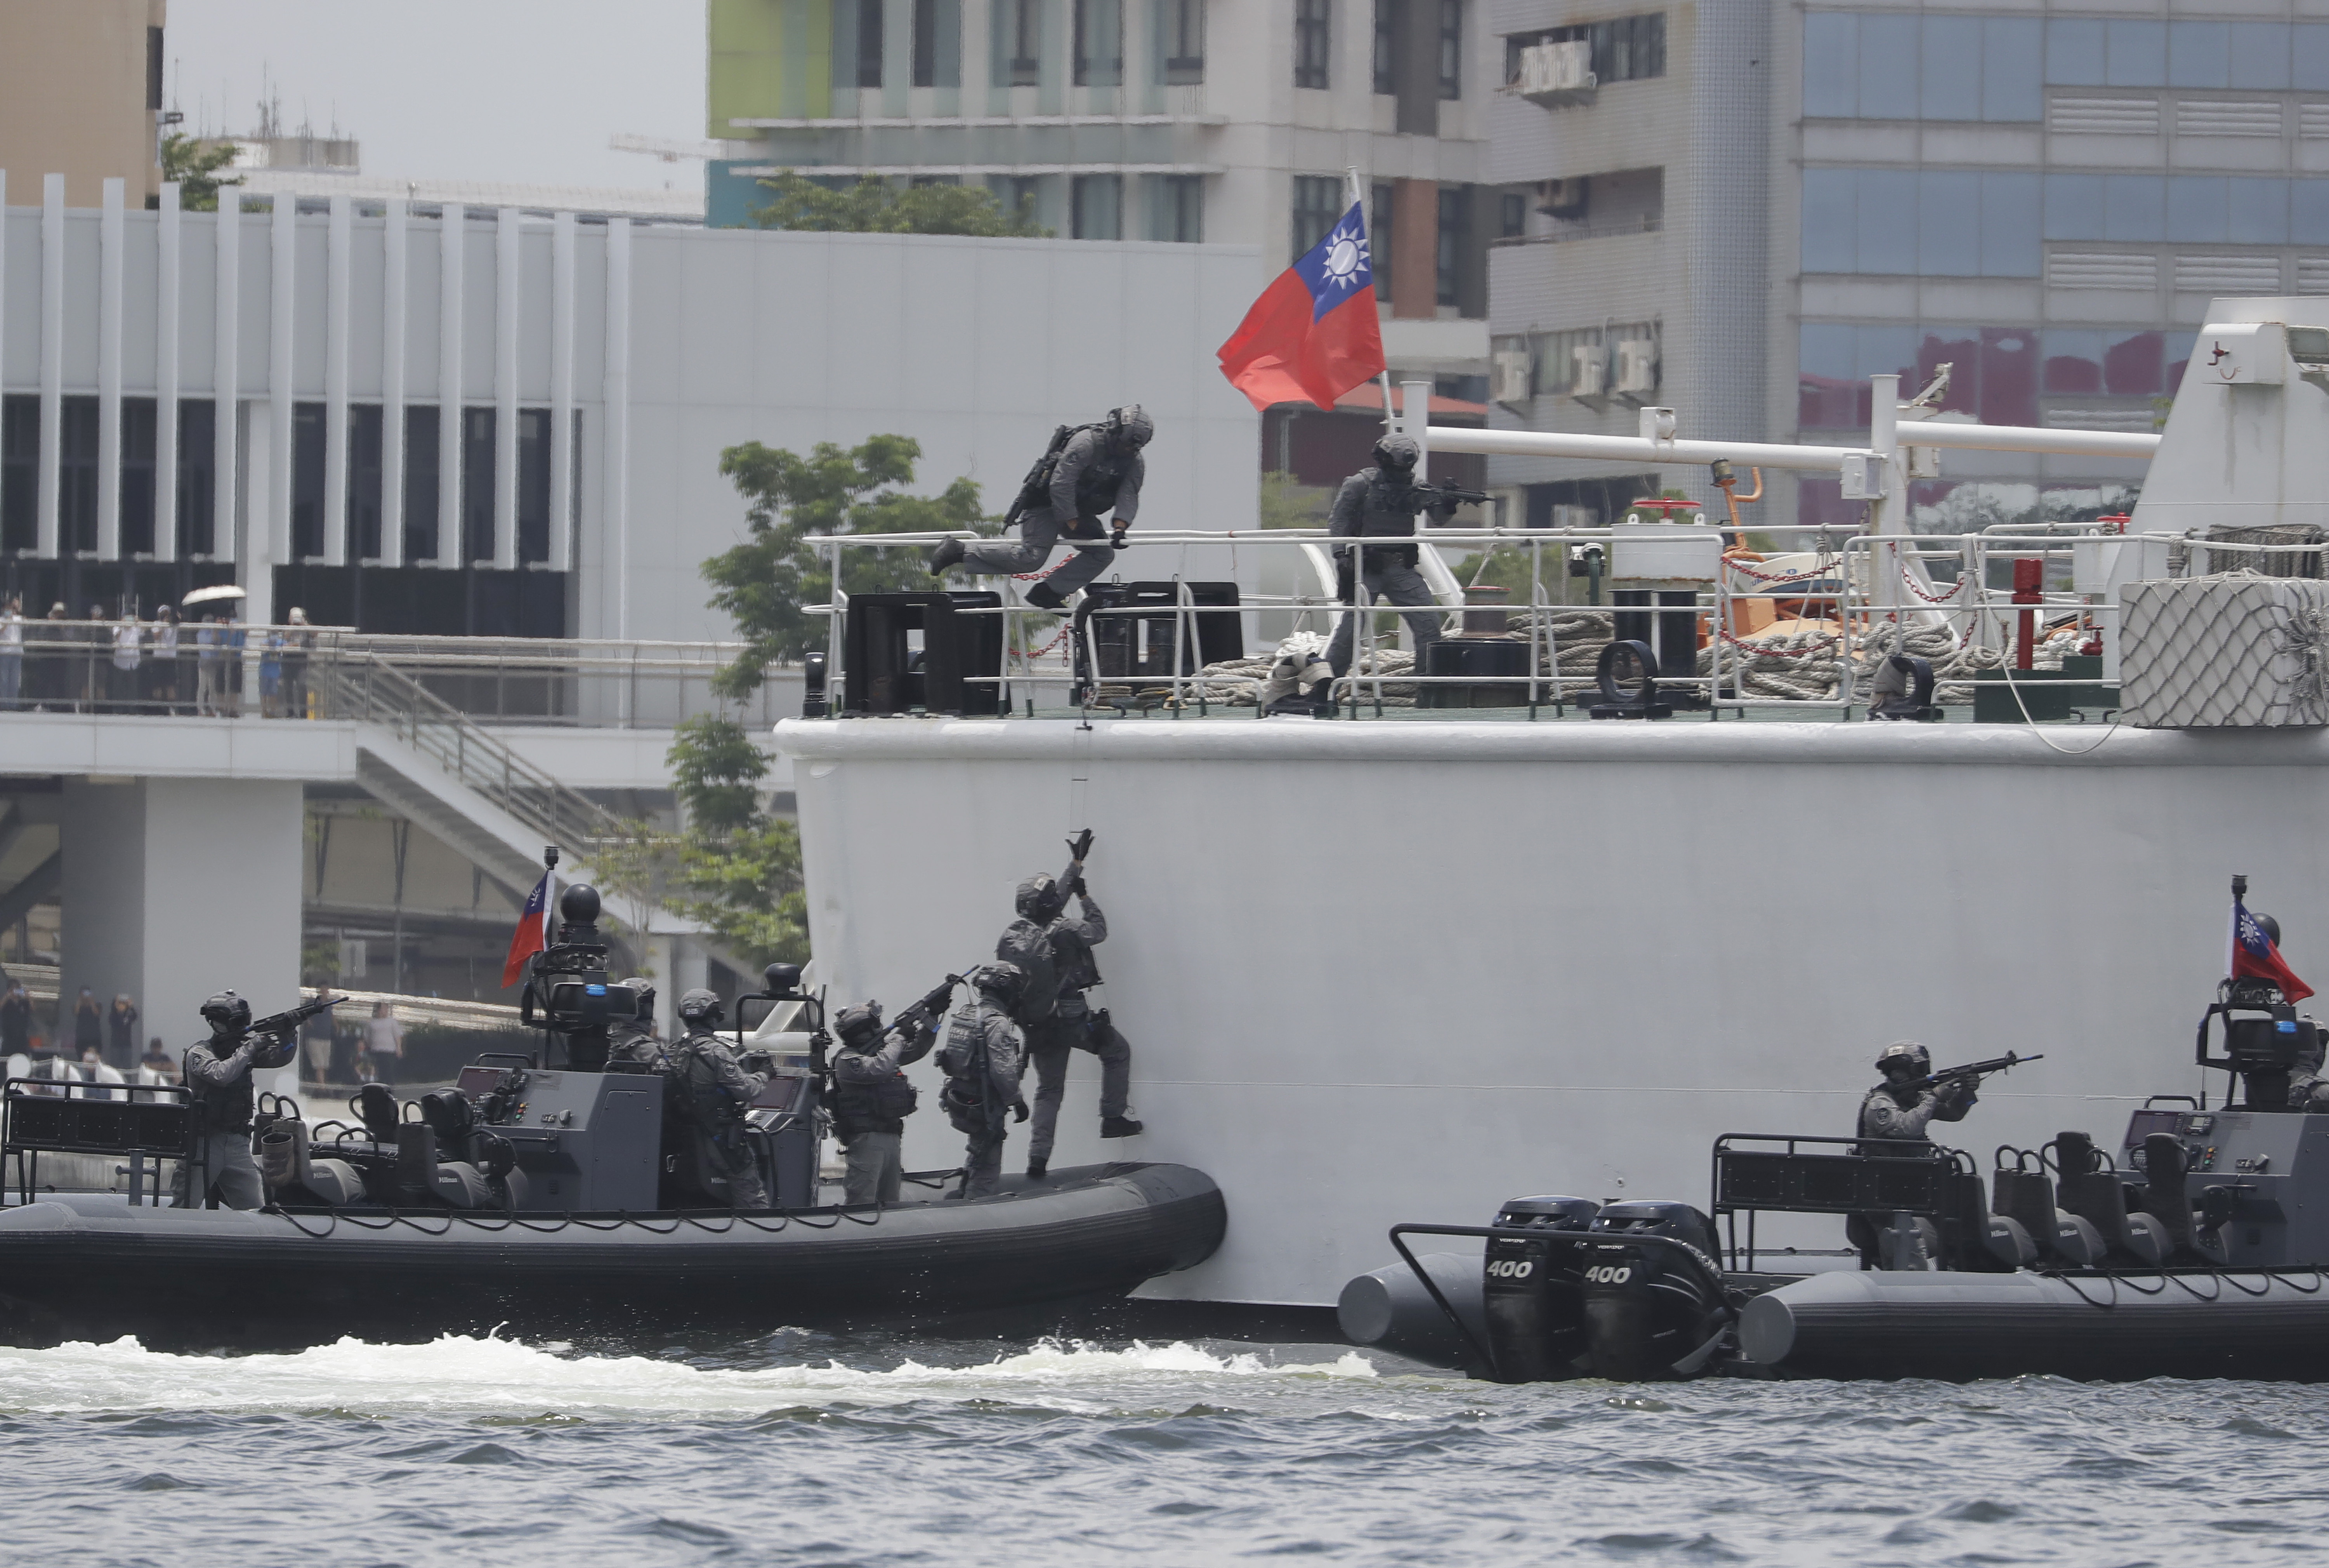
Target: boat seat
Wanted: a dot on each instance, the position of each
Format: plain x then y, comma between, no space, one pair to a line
334,1182
2027,1198
2083,1188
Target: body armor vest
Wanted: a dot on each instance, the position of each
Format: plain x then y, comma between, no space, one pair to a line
882,1106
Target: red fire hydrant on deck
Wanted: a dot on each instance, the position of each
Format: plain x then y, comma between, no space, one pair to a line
2029,572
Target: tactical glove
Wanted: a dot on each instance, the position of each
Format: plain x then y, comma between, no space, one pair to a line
1018,1109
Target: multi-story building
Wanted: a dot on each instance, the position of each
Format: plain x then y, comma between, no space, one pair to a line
1747,209
81,93
1169,120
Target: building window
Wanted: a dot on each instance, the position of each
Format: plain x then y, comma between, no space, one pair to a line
364,429
153,71
477,441
1451,48
1180,42
20,471
1936,67
1317,204
1382,199
197,477
1019,42
532,485
1387,47
1096,204
1179,213
308,518
1512,215
1455,212
1313,42
1022,195
926,43
138,416
1625,48
869,42
1100,43
421,465
1999,371
77,477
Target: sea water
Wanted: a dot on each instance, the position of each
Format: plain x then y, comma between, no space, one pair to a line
812,1449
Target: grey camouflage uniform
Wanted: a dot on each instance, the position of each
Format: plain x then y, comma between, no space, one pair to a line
1367,507
1087,480
217,1071
1882,1115
1067,1023
703,1068
876,1163
986,1127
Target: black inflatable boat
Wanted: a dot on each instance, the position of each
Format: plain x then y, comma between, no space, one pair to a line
550,1199
2198,1247
92,1267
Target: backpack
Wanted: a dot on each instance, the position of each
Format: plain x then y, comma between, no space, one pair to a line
1035,490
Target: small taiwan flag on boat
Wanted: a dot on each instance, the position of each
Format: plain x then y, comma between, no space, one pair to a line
533,933
1312,334
2257,956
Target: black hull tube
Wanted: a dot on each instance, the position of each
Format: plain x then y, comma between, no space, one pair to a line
93,1268
1960,1326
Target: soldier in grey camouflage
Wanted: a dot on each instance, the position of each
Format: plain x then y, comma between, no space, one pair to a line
1899,1109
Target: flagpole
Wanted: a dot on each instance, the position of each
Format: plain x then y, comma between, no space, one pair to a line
1359,199
2232,921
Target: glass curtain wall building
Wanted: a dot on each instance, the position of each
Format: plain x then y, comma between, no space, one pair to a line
2043,203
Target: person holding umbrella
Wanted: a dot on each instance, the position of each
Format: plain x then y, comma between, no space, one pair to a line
215,673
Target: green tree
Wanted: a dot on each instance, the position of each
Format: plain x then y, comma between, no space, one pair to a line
1287,503
766,583
872,207
195,165
731,866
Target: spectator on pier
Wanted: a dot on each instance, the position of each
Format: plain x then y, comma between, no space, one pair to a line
162,668
96,1069
383,1046
296,639
12,652
156,1066
88,1023
121,1031
129,655
15,1020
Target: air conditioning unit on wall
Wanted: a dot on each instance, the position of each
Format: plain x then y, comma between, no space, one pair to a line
1556,73
1564,198
1637,369
1589,375
1514,382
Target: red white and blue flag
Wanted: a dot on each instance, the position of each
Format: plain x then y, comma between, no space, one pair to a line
533,933
1312,334
2256,956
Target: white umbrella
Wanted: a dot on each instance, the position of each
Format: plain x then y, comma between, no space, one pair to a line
213,594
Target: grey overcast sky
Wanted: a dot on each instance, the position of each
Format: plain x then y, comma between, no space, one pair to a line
519,91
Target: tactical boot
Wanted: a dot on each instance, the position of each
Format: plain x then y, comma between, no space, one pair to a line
1044,597
1118,1127
1037,1168
947,554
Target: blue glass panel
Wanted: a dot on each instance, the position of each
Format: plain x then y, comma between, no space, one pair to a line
1886,223
2010,244
2138,54
2179,354
1832,64
2195,209
1827,349
2308,212
2308,55
2074,360
2257,211
2134,207
2074,54
1888,68
2011,54
2131,366
2199,54
2074,206
1887,350
1949,73
1948,224
1828,203
2260,54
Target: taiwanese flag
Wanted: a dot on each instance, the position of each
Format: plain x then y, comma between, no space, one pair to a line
2256,956
1313,333
533,933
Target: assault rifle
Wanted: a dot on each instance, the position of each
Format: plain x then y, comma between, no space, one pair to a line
283,1026
2003,1064
927,1006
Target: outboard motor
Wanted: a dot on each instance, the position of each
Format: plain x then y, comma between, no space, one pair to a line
1654,1309
1532,1290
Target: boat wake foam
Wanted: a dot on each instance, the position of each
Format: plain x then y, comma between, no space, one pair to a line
461,1374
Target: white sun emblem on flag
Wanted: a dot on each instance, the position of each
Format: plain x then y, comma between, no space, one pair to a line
1346,253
